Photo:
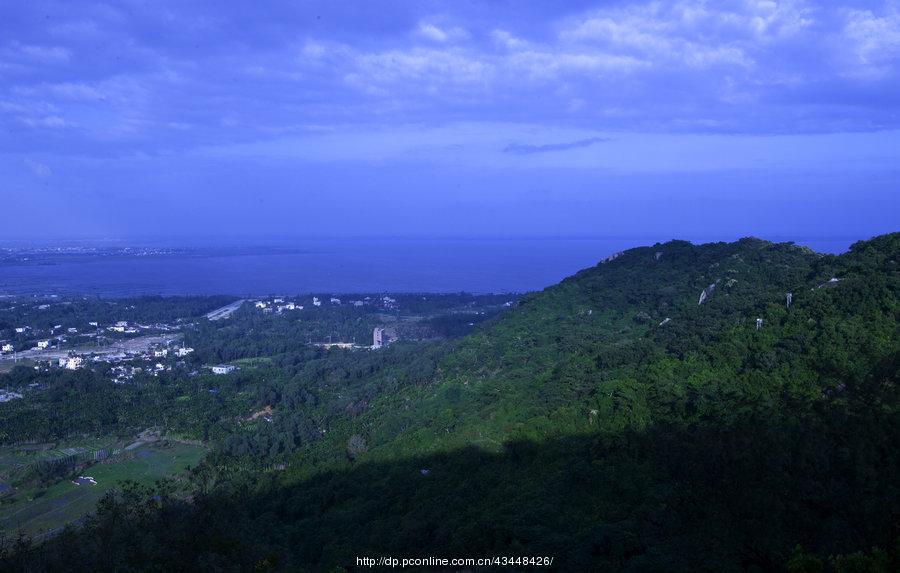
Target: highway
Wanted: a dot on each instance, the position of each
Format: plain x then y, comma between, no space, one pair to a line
225,311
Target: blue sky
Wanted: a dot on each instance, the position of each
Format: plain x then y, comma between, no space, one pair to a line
243,119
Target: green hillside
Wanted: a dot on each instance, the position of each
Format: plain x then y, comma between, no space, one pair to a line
612,421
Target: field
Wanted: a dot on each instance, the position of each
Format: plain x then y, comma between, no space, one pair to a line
37,510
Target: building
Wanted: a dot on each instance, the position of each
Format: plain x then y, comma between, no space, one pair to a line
223,369
43,344
160,353
8,348
71,363
378,338
260,304
183,351
6,395
21,329
317,302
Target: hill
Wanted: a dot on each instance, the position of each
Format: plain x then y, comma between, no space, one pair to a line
727,406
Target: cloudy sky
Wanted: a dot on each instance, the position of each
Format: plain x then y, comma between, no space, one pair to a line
463,118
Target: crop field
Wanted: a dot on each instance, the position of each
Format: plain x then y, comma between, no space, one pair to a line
15,457
35,510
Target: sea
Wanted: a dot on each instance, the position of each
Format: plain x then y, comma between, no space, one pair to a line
503,265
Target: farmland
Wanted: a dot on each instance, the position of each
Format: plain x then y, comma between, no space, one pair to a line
36,510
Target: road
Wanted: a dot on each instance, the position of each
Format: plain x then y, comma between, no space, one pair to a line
225,311
130,345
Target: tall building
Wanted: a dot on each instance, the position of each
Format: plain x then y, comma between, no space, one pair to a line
378,338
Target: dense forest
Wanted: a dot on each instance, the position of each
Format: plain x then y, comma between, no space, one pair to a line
729,406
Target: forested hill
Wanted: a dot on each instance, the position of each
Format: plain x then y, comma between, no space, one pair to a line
627,344
665,410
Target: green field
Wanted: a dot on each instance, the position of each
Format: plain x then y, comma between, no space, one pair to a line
14,457
36,510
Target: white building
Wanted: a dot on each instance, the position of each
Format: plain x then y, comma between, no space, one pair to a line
378,338
116,328
43,344
183,351
71,363
335,300
93,324
72,330
223,369
122,323
317,302
260,304
21,329
6,395
160,353
8,348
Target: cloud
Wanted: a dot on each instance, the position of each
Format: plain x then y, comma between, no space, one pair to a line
50,121
873,42
507,40
527,149
434,33
676,66
36,53
38,168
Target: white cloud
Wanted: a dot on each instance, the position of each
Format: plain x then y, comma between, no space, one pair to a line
28,53
507,40
434,33
50,121
874,42
439,66
38,168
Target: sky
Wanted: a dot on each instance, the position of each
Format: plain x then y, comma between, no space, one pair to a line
507,118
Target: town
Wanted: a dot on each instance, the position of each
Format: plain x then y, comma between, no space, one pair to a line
130,348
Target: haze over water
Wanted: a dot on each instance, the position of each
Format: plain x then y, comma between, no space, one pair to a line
339,266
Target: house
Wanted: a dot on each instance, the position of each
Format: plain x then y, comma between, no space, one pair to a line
21,329
335,300
93,324
6,395
260,304
8,348
277,300
122,323
223,369
183,351
72,330
71,363
43,344
160,353
116,328
316,301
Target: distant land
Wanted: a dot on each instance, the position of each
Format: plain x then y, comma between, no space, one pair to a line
478,265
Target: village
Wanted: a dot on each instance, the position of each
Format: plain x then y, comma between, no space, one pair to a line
139,348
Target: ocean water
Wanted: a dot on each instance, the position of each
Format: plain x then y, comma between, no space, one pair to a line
336,266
